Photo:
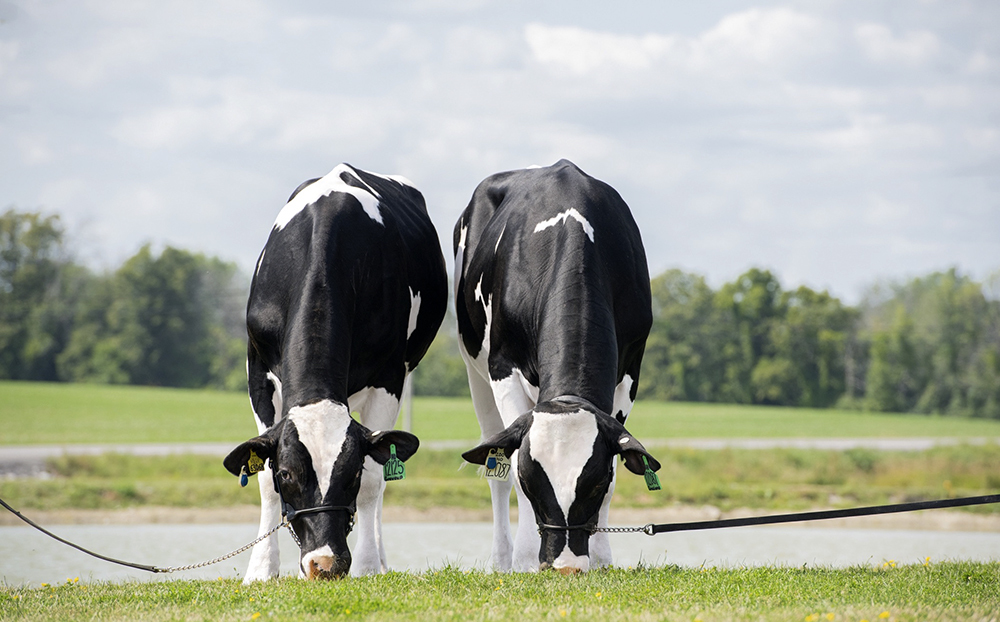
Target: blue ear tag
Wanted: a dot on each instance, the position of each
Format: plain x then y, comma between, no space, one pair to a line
652,481
394,468
243,477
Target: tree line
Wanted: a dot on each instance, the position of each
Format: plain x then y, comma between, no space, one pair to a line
176,318
168,319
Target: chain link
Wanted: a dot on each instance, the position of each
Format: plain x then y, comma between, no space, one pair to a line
647,529
267,535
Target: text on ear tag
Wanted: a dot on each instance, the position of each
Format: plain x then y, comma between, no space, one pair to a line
393,468
652,481
254,463
497,465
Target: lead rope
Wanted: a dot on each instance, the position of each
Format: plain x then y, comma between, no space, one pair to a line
267,535
154,569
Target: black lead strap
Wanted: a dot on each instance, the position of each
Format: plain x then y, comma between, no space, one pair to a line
653,529
650,529
80,548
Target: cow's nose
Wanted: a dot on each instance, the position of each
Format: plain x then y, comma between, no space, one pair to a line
568,570
325,566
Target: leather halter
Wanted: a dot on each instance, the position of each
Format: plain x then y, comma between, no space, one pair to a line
289,513
590,528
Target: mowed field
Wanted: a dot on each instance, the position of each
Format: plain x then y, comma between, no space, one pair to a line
48,413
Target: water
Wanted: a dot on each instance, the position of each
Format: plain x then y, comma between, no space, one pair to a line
29,557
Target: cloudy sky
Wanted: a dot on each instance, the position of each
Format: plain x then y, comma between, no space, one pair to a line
833,142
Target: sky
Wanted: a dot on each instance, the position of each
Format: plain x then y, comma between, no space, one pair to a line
835,143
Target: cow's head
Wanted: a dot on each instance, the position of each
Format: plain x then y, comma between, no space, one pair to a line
317,453
565,463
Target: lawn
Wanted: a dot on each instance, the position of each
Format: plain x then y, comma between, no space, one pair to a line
47,413
927,593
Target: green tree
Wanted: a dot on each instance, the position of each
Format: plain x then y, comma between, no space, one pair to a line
806,353
161,320
754,303
934,347
685,357
34,275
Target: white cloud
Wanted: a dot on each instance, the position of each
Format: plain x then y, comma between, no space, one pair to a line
880,45
584,51
762,36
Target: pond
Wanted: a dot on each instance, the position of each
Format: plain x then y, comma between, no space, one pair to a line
29,557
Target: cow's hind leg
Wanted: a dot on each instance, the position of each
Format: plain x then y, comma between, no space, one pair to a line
378,410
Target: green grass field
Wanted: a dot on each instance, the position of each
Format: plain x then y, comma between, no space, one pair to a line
41,413
926,593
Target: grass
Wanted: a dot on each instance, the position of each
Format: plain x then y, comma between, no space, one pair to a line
930,592
49,413
776,479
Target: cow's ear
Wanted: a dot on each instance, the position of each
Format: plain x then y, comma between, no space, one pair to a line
380,445
623,443
633,453
250,457
509,441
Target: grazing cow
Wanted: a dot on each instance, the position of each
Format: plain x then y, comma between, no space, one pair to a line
553,308
348,293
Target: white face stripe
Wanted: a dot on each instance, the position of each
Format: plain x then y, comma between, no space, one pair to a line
561,218
414,312
322,428
562,443
329,184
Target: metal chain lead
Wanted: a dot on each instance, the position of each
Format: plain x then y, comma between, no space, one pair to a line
267,535
647,529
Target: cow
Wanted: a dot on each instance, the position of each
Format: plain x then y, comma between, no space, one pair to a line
348,293
553,308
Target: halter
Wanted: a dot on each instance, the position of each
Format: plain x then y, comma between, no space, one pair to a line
288,512
590,528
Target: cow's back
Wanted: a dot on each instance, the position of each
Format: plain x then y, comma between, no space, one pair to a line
560,259
329,306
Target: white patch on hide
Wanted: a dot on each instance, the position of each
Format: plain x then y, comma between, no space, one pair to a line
322,428
414,312
325,186
561,218
623,400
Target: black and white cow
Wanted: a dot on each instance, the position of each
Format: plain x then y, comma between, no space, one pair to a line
348,293
553,308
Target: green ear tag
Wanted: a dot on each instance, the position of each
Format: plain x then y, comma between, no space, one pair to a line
652,481
394,468
254,463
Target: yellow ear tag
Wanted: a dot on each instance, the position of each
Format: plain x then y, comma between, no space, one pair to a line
254,463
